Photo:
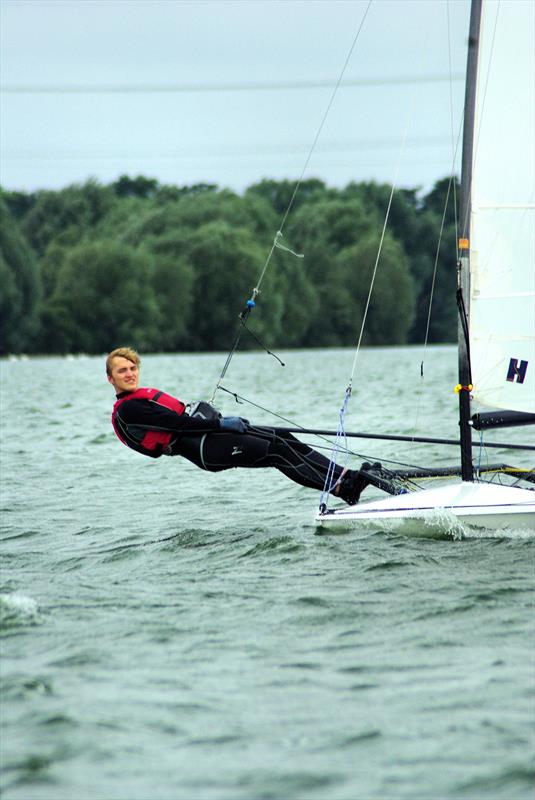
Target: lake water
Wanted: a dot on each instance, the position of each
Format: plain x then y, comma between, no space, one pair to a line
169,634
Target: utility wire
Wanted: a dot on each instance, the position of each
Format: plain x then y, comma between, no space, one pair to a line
252,86
234,152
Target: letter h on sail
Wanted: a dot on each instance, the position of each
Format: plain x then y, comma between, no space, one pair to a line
516,371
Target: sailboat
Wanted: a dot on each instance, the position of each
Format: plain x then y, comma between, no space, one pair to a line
495,281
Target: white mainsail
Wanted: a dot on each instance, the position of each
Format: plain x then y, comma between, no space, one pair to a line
502,223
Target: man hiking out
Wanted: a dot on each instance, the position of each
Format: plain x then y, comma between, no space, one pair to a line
155,423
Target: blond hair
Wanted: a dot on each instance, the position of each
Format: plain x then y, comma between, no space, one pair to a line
122,352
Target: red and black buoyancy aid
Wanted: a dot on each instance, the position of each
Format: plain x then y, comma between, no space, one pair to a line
149,442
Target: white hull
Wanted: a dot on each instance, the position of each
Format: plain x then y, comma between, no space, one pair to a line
480,505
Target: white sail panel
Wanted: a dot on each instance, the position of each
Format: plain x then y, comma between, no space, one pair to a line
502,224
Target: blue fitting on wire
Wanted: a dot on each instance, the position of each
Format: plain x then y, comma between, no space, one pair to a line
250,303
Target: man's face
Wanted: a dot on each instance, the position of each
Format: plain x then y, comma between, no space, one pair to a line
124,375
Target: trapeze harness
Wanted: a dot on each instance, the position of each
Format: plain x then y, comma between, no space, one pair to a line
148,442
214,450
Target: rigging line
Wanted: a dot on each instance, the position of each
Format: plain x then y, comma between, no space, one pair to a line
315,141
276,241
327,110
451,183
295,427
261,343
368,300
390,473
341,423
455,148
329,483
401,438
370,291
322,434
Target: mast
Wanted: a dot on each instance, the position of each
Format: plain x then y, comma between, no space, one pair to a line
463,265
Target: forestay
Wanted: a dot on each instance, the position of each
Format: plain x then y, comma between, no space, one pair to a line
502,225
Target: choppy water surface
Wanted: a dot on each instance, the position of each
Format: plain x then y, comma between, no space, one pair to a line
168,633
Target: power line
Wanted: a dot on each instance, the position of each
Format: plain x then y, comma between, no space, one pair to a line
260,86
234,152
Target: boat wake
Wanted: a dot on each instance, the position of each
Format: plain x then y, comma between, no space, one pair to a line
437,523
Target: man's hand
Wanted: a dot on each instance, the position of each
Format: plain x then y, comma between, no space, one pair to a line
235,424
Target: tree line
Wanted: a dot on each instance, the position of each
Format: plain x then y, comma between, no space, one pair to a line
166,268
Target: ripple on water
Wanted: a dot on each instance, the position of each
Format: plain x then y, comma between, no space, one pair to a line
19,687
189,538
80,659
387,566
274,546
121,553
18,611
21,535
356,739
315,602
513,781
35,767
266,784
495,594
102,438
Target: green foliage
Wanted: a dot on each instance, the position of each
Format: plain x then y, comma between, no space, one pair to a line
135,187
434,264
20,289
170,268
172,281
279,194
103,298
391,303
66,215
18,203
190,211
225,261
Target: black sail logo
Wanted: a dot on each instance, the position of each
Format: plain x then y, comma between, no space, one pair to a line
517,371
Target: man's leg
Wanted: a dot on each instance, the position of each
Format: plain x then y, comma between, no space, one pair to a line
269,447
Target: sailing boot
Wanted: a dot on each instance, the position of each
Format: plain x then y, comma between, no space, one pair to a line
353,482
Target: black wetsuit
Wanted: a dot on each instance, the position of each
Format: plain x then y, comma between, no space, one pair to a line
258,447
209,447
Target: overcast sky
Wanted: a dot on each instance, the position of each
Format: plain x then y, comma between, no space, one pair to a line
191,91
